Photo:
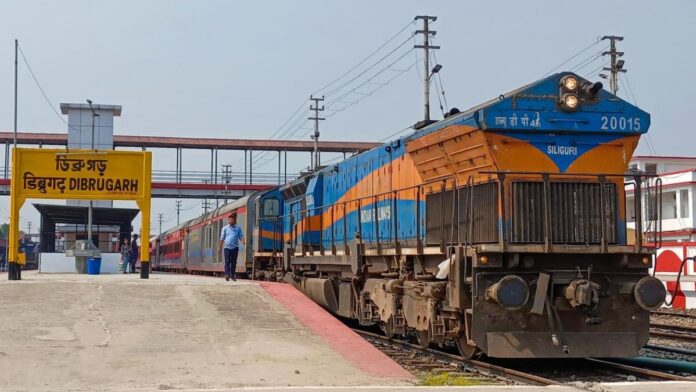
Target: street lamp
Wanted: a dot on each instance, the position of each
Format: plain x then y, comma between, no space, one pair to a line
435,70
89,211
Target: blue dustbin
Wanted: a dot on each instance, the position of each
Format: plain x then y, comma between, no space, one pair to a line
93,265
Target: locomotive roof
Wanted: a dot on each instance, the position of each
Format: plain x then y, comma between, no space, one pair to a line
537,102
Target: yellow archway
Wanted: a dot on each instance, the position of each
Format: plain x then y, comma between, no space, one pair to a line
80,174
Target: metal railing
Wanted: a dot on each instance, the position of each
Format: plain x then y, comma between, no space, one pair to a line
203,176
370,205
192,176
366,207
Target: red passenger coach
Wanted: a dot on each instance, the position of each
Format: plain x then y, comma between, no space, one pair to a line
194,246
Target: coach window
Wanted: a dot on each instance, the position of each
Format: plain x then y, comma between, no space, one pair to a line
271,207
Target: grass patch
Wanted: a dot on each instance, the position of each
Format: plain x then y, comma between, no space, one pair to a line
448,379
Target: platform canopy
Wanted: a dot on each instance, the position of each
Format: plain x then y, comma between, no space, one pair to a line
52,214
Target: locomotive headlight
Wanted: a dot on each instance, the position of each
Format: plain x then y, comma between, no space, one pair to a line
649,293
483,259
570,102
570,83
645,260
512,292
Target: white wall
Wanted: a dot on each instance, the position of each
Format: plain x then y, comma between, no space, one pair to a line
58,263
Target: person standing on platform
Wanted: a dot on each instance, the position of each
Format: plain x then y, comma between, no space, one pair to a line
125,254
134,252
230,238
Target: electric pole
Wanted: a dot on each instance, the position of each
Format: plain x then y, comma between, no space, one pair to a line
14,144
158,243
616,65
315,137
29,229
91,203
205,203
226,170
426,48
178,209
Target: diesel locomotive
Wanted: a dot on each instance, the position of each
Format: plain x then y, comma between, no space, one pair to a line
500,229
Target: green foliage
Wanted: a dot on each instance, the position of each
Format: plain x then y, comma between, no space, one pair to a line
448,379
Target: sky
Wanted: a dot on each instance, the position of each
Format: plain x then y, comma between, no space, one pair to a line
240,69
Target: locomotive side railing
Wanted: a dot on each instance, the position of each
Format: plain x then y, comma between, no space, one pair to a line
548,211
447,239
391,197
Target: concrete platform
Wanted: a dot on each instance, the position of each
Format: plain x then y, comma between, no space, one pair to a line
119,332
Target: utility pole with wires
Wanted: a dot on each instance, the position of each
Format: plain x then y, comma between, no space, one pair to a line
316,160
226,170
178,210
426,46
29,229
15,97
616,65
206,202
206,205
160,218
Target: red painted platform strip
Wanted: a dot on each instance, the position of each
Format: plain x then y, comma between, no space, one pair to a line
341,338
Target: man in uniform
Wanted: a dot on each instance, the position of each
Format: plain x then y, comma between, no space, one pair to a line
229,244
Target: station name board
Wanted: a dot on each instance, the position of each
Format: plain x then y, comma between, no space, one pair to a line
97,175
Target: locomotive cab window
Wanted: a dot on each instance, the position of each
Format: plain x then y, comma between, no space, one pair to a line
271,207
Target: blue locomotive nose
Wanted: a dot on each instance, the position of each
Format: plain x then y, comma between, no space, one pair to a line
511,291
649,293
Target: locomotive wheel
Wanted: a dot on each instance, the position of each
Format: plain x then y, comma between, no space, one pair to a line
465,349
423,338
387,328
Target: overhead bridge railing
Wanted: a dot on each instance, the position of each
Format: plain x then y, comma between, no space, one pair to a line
205,177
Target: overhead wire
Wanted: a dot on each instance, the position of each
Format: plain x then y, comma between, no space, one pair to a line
367,94
366,70
381,71
572,57
366,58
439,78
43,92
623,79
438,88
595,70
347,84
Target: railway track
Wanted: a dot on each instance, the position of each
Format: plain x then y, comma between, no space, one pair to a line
507,374
486,369
678,332
638,372
675,314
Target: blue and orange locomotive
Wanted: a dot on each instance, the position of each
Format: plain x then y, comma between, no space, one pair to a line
501,229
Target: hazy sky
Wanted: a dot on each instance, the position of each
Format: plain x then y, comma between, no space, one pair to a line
240,69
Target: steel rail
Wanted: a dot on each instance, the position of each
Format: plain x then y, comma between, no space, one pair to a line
639,371
676,314
495,371
676,350
681,328
673,335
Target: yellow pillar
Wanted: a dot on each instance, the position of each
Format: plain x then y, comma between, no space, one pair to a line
144,205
